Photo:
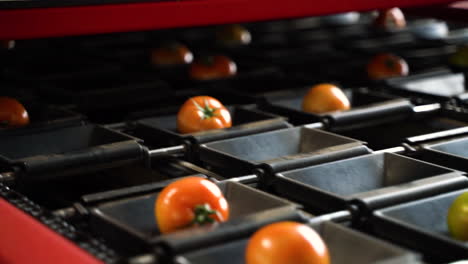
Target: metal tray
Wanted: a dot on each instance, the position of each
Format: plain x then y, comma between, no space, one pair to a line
43,153
372,181
421,225
246,120
130,224
394,130
344,244
440,86
280,150
365,105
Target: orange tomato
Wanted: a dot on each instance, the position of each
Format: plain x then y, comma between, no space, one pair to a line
171,54
324,98
385,66
286,243
212,67
12,113
202,113
190,201
392,18
233,35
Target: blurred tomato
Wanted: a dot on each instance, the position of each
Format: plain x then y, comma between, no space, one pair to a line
457,217
171,54
392,18
212,67
324,98
385,66
12,113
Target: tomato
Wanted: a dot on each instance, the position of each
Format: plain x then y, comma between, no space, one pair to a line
171,54
392,18
286,243
324,98
212,67
457,217
190,201
7,44
12,113
460,57
202,113
233,35
385,66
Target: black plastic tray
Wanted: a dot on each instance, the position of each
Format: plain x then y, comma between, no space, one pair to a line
440,86
450,153
280,150
246,120
130,224
421,225
394,130
344,244
365,105
104,184
46,152
373,181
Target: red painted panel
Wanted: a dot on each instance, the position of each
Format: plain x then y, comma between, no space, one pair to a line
47,22
24,240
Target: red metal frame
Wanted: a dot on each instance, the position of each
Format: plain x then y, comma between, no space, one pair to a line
24,240
50,22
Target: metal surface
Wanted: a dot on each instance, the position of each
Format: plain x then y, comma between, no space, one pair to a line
376,180
280,150
162,152
422,225
344,245
132,219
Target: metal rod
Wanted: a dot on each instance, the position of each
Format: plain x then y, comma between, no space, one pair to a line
162,152
340,216
426,108
245,179
391,150
7,176
201,170
116,126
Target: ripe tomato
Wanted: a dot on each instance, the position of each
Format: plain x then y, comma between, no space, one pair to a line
212,67
233,35
201,113
457,217
324,98
385,66
392,18
190,201
286,243
171,54
12,113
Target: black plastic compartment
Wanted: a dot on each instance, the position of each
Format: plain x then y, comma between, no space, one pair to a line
46,152
421,225
344,244
162,131
130,224
103,184
279,150
47,115
450,153
365,105
439,86
374,180
392,131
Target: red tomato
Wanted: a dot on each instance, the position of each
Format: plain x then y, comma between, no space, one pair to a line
286,243
172,54
212,67
392,18
12,113
233,35
324,98
190,201
202,113
385,66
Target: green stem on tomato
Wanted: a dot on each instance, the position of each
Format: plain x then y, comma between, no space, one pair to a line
203,214
208,112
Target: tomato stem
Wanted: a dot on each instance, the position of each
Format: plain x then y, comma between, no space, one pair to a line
207,111
203,214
